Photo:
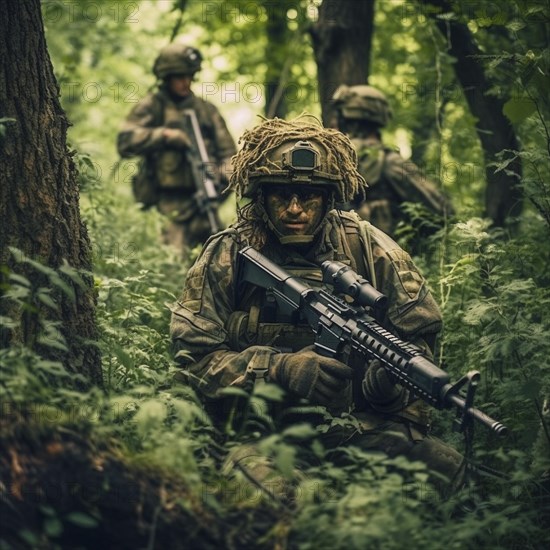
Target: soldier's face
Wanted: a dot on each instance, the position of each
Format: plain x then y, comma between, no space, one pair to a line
295,209
180,84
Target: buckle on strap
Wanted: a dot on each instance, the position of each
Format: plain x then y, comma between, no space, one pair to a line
257,372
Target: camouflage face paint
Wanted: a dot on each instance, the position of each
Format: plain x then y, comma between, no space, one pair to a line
296,209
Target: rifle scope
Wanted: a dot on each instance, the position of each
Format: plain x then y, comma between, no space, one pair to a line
346,281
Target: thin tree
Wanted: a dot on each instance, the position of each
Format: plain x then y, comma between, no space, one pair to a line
39,202
278,56
503,196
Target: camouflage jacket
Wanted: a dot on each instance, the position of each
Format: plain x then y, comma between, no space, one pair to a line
217,334
142,131
393,180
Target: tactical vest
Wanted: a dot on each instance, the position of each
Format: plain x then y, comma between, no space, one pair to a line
381,198
172,169
259,321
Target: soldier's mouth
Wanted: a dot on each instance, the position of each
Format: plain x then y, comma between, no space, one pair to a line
295,226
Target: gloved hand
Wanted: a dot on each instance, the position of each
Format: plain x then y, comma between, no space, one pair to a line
380,390
176,138
310,375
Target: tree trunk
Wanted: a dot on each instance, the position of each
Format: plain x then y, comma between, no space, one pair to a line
39,203
278,57
503,196
342,38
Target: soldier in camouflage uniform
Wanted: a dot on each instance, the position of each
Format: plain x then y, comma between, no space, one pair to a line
152,130
231,337
362,112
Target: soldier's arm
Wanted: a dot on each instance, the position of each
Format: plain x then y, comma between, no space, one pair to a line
142,132
413,312
412,185
200,321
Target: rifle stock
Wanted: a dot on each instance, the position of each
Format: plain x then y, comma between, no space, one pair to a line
338,325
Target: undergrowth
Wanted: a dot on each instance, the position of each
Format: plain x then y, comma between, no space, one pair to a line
493,291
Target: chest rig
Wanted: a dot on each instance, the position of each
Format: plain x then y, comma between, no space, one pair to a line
173,170
259,321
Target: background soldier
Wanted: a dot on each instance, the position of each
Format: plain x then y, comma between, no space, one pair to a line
153,131
362,112
229,335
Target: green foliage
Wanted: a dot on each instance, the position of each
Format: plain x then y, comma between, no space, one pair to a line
493,289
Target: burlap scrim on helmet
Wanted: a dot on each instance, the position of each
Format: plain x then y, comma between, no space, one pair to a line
258,142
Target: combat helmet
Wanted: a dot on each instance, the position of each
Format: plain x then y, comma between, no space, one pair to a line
362,102
177,58
296,152
294,162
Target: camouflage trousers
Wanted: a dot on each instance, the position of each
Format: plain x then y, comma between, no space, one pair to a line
445,466
184,227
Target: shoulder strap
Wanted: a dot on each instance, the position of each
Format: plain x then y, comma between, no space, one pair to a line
359,243
159,103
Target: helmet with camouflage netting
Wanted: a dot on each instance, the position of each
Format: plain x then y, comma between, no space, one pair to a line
177,58
295,152
362,102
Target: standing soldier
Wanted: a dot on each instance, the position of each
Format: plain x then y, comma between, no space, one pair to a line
362,112
153,130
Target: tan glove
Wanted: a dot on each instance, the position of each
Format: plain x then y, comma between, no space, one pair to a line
308,374
381,392
176,138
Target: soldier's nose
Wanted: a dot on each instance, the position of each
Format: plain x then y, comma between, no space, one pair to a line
295,205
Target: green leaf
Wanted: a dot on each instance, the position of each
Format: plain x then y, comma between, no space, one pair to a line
82,520
7,322
530,389
68,290
237,392
73,274
29,537
121,354
39,267
151,414
284,460
46,299
19,279
53,527
517,110
269,392
300,431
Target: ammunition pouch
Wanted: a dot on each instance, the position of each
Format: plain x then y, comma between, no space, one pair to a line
145,185
173,171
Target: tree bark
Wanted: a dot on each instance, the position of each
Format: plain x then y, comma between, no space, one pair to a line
39,202
342,39
503,196
278,57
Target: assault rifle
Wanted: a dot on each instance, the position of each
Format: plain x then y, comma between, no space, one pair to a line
340,326
206,196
